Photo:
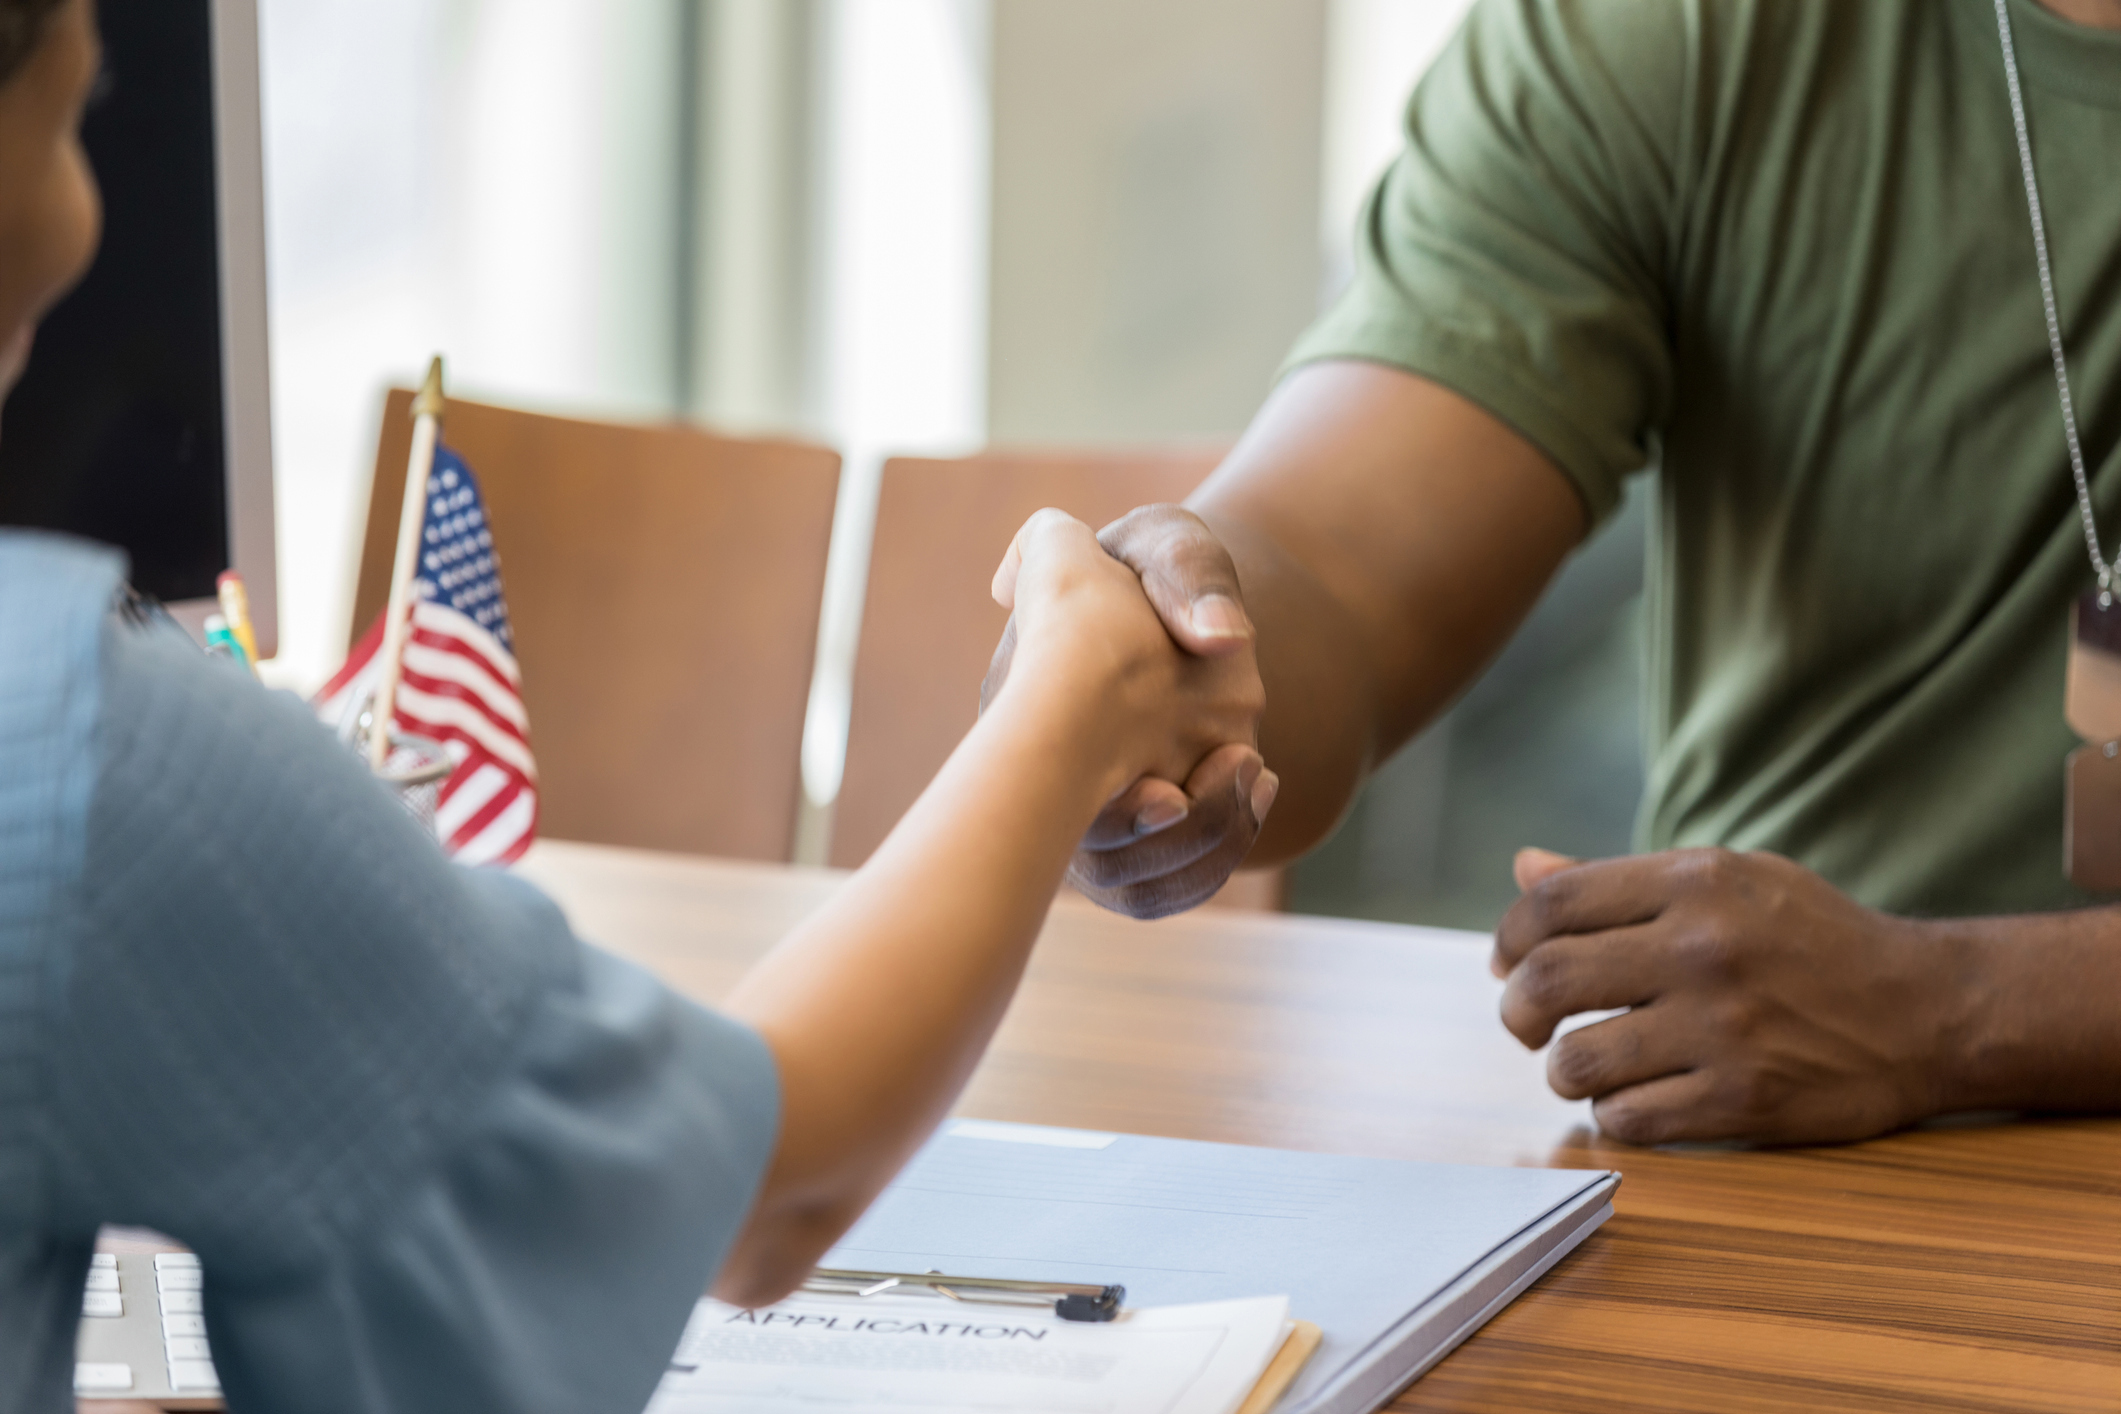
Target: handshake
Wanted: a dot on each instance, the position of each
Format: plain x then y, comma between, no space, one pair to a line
1148,619
1754,1000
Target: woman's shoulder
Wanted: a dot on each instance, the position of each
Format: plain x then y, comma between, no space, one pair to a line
55,593
49,581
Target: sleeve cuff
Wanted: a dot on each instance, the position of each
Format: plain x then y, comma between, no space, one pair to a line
1474,373
551,1264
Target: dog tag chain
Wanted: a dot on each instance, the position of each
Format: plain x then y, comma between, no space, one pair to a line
2091,829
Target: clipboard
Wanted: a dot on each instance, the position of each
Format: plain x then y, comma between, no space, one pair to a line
1396,1261
1281,1372
1085,1302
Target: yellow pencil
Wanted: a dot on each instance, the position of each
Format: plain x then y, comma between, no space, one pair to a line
235,607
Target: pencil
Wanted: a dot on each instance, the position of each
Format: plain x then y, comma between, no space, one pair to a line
235,607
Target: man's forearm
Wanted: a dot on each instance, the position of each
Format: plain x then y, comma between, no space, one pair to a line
1320,727
1389,536
1385,536
2032,1017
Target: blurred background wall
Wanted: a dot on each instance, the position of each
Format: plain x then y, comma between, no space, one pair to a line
895,226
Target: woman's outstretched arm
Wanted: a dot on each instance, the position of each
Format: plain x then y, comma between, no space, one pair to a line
878,1007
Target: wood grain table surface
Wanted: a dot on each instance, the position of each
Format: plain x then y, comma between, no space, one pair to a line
1967,1268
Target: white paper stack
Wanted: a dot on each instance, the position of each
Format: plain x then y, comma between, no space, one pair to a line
1397,1262
892,1355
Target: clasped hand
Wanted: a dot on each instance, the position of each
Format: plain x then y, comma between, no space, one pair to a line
1174,836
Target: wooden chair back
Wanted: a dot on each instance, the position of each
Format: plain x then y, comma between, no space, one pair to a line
663,584
929,626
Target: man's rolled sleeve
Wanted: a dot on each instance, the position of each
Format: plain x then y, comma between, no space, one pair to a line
1514,252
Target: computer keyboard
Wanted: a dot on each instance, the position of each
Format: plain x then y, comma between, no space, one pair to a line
143,1331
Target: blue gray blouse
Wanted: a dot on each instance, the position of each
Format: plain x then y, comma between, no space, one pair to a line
434,1153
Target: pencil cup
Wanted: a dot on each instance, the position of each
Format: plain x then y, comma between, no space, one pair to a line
415,768
414,771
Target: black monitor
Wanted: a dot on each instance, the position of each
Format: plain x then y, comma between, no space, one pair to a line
143,418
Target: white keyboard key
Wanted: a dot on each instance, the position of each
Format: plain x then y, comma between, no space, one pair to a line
193,1375
105,1259
102,1378
186,1347
182,1301
180,1279
180,1324
104,1304
165,1260
102,1279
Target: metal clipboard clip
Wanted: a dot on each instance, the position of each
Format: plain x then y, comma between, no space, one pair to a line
1070,1301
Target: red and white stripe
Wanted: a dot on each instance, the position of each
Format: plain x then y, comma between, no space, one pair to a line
461,688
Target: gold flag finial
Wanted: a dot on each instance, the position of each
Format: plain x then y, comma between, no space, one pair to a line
429,402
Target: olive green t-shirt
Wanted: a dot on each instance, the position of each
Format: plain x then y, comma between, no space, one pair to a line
1778,252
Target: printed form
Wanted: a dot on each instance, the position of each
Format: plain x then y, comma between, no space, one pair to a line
889,1355
1360,1246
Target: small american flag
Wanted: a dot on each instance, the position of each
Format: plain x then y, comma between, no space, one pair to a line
460,684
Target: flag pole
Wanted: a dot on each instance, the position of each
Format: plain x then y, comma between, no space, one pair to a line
427,408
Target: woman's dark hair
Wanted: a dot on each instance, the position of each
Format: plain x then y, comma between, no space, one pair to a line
21,30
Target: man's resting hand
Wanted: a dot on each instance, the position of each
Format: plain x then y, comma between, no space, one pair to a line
1763,1003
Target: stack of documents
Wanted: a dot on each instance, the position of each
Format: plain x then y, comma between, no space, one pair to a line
1397,1262
915,1353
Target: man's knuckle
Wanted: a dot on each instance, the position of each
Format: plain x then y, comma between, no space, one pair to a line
1168,520
1574,1068
1156,896
1545,905
1629,1122
1513,933
1517,1018
1767,863
1127,527
1099,869
1558,892
1157,527
1708,869
1747,1098
1736,1018
1214,808
1085,884
1542,979
1160,897
1711,951
1184,541
1749,1092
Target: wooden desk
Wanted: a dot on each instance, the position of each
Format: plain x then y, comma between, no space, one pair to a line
1951,1269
